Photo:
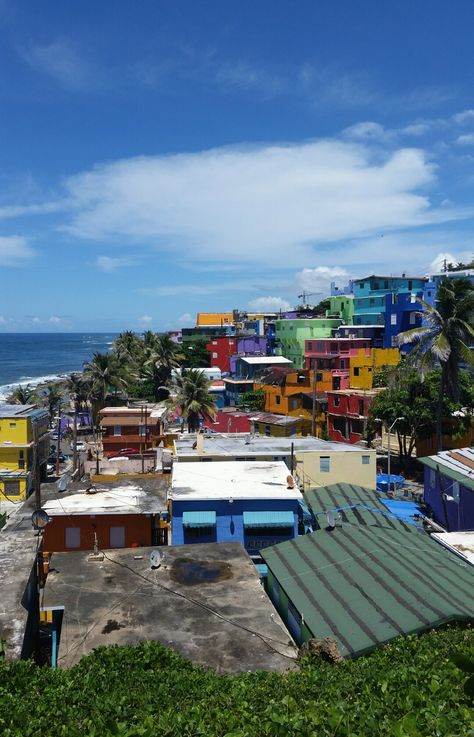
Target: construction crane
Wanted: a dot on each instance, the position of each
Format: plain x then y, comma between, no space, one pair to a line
308,294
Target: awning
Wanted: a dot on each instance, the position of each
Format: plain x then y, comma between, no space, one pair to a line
199,519
268,519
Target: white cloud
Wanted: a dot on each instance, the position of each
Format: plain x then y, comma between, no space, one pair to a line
464,116
269,304
55,319
61,61
186,319
317,281
367,130
14,250
466,140
109,264
36,320
145,320
438,263
253,204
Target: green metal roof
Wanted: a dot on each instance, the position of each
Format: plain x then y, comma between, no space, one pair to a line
355,504
450,472
365,585
199,519
269,519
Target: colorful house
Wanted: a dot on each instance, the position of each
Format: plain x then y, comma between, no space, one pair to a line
348,412
136,427
280,426
214,319
341,306
291,336
449,488
240,501
251,367
24,448
221,348
331,358
365,362
235,389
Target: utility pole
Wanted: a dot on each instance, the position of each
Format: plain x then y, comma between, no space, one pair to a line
36,467
58,449
313,420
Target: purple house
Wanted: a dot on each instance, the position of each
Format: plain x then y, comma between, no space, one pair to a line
449,488
248,345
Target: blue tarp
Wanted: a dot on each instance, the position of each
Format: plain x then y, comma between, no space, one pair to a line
268,519
405,511
199,519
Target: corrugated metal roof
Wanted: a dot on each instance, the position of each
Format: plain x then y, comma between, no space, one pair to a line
365,585
269,519
456,464
358,505
199,519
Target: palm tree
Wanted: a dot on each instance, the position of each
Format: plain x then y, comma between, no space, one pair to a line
75,388
23,395
445,339
128,348
52,397
191,395
101,373
163,356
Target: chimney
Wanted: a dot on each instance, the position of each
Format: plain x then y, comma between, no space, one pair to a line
200,444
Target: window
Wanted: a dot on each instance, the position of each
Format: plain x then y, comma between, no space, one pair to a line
73,537
277,399
365,460
117,429
319,377
214,342
226,320
361,407
231,342
393,319
356,371
319,346
412,318
268,430
117,537
324,464
142,429
11,488
337,401
372,301
376,285
410,284
12,424
310,345
21,459
214,354
385,285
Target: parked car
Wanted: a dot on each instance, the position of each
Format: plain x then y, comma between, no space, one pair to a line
123,452
80,446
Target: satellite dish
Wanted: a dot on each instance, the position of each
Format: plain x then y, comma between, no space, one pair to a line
40,519
290,482
62,483
155,559
330,519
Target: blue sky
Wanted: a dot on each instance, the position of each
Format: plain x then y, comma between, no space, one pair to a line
167,156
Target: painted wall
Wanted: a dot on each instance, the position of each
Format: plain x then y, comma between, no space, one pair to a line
364,364
350,467
211,319
229,422
229,522
220,351
290,336
449,514
341,306
138,531
347,415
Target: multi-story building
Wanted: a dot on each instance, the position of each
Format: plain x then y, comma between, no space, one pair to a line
348,412
137,428
374,332
449,488
221,348
364,364
214,319
330,357
24,448
341,306
291,336
251,367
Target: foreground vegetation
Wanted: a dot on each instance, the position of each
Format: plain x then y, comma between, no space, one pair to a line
411,688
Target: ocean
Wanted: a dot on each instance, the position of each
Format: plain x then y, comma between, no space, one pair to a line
31,358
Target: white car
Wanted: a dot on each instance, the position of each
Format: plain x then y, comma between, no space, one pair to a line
80,446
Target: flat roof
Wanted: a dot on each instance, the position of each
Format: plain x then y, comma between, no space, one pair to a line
17,557
272,419
461,543
244,444
456,464
265,359
238,381
20,411
152,410
403,276
365,585
231,479
362,392
196,602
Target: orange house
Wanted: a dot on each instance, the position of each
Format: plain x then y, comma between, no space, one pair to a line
289,392
214,319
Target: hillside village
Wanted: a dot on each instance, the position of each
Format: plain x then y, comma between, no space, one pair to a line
246,487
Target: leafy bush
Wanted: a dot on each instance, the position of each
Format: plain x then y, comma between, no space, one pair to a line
411,688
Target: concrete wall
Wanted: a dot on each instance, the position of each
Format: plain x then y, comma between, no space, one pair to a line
345,467
459,516
138,531
229,521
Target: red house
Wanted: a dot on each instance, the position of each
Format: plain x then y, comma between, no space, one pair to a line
137,428
348,412
230,422
221,348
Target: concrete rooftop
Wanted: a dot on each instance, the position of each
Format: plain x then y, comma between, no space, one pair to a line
232,479
202,602
17,556
231,445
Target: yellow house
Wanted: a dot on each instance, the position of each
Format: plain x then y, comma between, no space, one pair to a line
364,364
24,443
214,319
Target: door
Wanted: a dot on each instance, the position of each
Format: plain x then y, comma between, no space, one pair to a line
117,537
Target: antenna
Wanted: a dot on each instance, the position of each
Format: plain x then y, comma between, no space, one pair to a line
330,519
40,519
155,559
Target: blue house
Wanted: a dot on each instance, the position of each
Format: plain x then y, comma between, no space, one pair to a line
449,488
402,312
249,502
